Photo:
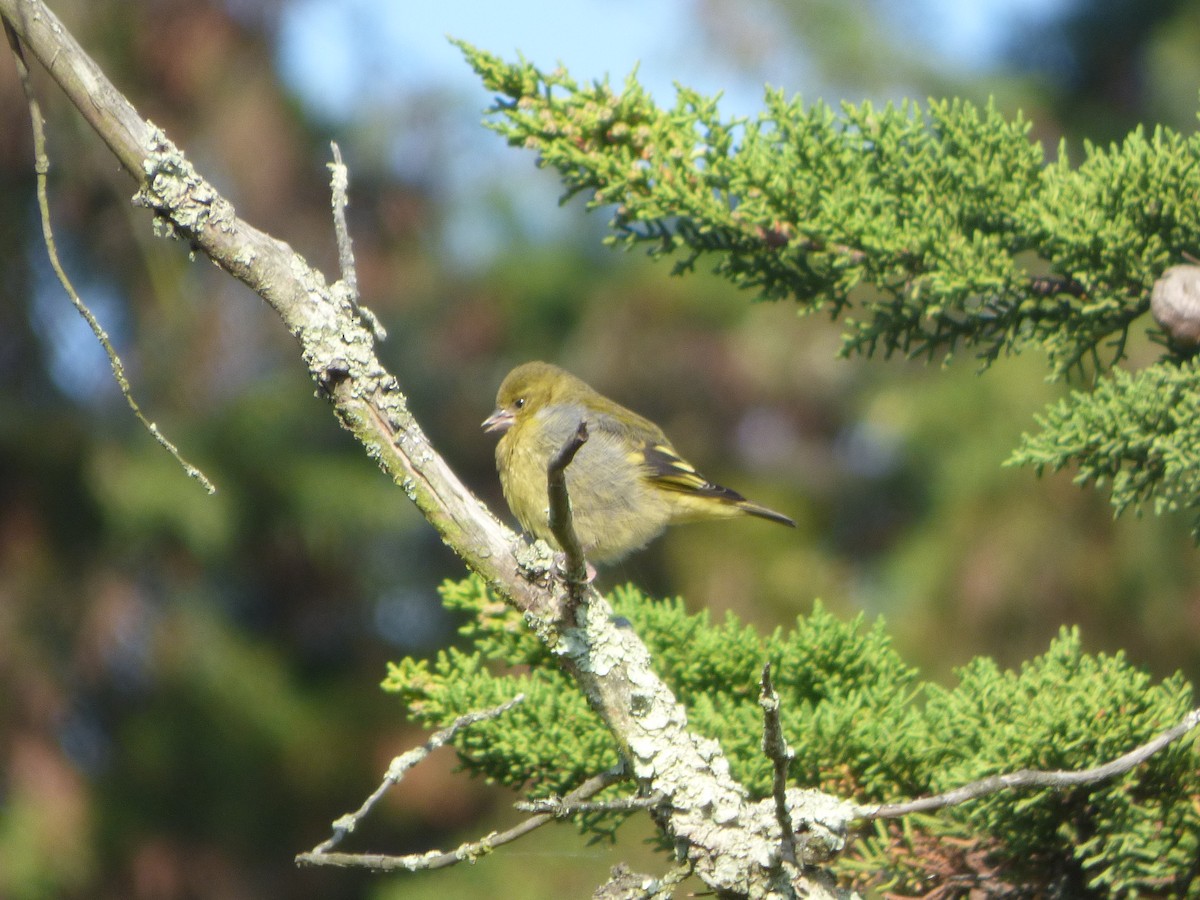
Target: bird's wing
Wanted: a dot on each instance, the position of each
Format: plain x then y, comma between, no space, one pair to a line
669,470
642,444
648,449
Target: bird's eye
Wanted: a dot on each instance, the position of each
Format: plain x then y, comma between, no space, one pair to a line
520,402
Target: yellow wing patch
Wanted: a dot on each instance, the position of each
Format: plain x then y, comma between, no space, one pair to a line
668,469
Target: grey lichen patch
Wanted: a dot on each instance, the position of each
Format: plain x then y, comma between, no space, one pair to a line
652,714
245,255
643,750
821,824
594,643
335,342
343,294
184,202
643,679
409,487
392,404
726,810
420,862
329,358
535,561
545,630
481,848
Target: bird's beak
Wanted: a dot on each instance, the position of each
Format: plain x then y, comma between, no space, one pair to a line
500,420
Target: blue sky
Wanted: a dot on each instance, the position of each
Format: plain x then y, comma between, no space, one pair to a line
343,57
411,49
334,51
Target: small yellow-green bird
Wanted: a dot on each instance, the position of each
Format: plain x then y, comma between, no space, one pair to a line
626,484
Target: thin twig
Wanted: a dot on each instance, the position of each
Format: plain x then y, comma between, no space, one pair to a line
339,184
1034,777
776,748
669,882
436,859
41,168
562,523
1051,285
625,884
560,808
401,764
339,195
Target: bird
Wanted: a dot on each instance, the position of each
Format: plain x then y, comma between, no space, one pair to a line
626,483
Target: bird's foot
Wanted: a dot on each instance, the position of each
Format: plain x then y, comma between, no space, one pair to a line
560,563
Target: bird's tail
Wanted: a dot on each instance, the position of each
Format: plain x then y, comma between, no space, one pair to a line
757,509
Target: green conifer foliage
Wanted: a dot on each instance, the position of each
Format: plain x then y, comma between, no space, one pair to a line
865,726
927,231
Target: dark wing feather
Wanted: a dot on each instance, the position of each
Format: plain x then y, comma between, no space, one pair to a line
668,469
664,468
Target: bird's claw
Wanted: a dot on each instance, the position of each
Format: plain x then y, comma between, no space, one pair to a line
560,563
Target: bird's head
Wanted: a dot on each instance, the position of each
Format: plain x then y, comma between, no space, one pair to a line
526,389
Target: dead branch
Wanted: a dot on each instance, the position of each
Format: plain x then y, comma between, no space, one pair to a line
468,852
562,523
41,168
1025,778
776,748
399,768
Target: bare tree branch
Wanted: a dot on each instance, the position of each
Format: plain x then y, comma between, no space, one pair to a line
1034,778
562,524
42,167
437,859
400,766
560,807
624,884
339,191
775,746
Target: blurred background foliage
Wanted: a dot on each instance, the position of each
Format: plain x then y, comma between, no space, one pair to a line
188,683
